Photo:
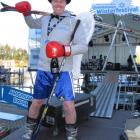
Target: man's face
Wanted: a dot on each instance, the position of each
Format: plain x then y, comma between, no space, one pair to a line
58,6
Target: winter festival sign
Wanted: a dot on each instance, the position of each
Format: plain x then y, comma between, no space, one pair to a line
119,7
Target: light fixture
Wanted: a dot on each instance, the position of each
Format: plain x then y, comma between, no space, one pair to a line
123,37
106,37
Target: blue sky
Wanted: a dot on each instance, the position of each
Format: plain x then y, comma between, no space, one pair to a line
13,29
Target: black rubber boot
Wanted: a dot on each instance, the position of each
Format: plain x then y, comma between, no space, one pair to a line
71,131
29,128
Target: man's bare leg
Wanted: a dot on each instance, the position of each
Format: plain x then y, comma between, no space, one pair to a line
70,119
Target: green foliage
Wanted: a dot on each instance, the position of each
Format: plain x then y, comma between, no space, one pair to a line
11,53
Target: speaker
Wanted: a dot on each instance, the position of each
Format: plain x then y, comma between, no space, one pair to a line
117,66
109,66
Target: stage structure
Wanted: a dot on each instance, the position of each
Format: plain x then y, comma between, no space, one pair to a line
118,9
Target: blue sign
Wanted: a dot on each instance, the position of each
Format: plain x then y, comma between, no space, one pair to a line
0,93
119,7
17,97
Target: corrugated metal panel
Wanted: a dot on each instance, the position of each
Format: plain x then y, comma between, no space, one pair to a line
105,96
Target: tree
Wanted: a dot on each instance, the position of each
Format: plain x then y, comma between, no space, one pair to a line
7,53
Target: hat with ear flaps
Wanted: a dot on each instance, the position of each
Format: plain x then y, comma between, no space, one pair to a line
67,1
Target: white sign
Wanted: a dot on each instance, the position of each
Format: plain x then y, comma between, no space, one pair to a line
119,7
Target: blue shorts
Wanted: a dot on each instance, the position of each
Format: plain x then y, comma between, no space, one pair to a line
44,84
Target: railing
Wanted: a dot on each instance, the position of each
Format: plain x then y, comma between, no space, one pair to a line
8,77
127,91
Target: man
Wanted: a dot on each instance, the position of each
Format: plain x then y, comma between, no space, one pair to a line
55,39
129,62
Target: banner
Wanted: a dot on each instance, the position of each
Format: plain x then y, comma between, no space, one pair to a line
33,58
119,7
34,48
16,97
35,34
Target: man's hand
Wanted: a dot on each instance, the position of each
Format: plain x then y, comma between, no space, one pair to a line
23,7
55,49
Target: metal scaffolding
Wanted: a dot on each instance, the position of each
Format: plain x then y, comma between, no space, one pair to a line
120,26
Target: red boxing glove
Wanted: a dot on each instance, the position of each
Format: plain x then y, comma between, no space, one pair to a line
55,49
23,7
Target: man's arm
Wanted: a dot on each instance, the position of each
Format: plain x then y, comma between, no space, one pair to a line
33,23
79,44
